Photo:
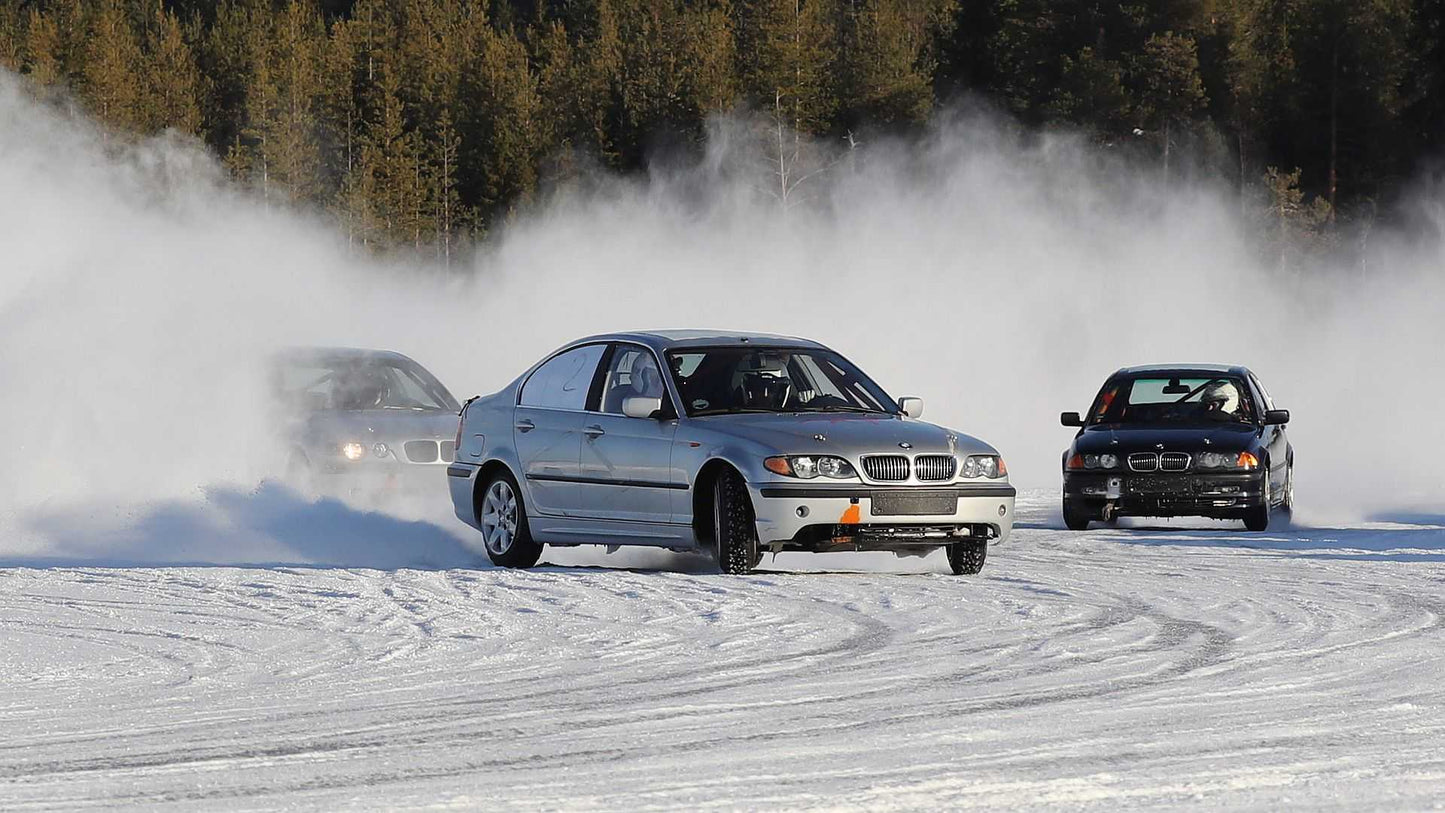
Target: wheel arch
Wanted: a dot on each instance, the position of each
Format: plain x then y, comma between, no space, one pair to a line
485,474
702,489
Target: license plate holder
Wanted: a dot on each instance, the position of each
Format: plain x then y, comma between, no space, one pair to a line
912,504
1157,485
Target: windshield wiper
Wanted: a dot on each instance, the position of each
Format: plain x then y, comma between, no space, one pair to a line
841,408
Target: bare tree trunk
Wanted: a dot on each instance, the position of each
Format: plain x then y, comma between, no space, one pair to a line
1166,151
782,151
1240,136
1334,123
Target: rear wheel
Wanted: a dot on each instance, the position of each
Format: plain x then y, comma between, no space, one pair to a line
1257,517
1075,518
966,558
504,524
735,532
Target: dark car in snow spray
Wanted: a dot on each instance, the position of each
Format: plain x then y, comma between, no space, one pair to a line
1169,441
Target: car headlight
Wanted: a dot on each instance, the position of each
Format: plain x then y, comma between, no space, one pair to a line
807,467
984,465
354,450
1094,461
1228,460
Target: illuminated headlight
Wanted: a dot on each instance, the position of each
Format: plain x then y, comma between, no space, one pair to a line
984,465
354,451
1228,460
807,467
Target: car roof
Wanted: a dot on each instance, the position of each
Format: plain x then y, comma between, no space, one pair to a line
1183,369
300,354
663,340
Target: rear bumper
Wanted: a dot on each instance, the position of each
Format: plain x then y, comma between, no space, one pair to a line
1225,495
861,517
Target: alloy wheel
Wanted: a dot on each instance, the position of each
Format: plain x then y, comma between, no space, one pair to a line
499,517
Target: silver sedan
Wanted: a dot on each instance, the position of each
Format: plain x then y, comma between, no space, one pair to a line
739,444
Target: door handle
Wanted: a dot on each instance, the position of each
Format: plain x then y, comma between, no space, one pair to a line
594,431
525,425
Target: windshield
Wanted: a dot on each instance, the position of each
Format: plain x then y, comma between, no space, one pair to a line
719,380
361,383
1173,400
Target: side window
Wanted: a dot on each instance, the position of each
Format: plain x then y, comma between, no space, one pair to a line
563,382
1268,401
633,373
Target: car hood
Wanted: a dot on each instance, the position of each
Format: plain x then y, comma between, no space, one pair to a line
847,434
383,424
1229,437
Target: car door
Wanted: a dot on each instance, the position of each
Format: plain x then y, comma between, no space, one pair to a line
1276,441
546,427
626,463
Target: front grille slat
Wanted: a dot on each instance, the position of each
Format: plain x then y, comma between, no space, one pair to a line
934,468
886,468
421,451
1173,461
1144,461
449,451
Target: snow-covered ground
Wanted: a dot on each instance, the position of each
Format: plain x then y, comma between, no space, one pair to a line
1160,665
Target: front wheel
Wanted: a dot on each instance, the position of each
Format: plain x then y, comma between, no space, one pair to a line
1075,519
1257,517
503,519
735,533
966,558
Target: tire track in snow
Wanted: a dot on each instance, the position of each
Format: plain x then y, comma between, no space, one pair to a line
1116,668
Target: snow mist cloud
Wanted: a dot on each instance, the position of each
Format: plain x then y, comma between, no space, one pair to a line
1000,280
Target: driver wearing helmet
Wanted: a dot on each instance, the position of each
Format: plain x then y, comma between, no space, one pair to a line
764,383
1221,399
364,390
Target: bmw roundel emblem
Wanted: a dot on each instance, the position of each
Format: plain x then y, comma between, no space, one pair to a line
905,445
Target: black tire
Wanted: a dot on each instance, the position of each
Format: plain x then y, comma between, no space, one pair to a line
1076,519
966,558
735,531
517,549
1256,518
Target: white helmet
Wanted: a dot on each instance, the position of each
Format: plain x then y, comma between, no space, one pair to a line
1223,395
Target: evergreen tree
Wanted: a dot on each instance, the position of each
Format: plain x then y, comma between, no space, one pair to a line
1091,93
111,73
789,60
500,123
43,50
1321,81
12,38
1170,90
887,60
390,172
174,80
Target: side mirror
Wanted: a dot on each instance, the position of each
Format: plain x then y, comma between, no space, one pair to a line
641,407
1276,417
1071,419
912,407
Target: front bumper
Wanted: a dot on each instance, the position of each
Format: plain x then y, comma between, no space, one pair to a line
861,517
1223,495
379,478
